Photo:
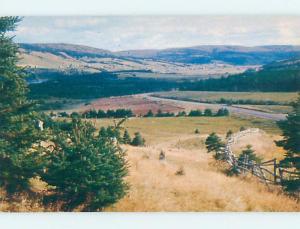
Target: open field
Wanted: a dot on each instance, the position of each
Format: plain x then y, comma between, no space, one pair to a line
276,109
204,185
139,105
213,96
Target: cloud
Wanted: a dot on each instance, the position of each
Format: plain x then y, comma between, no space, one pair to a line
138,32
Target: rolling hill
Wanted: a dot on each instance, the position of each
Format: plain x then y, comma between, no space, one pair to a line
202,61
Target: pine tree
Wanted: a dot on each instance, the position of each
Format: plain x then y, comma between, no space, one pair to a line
149,114
19,134
291,143
126,137
249,155
138,140
214,144
85,171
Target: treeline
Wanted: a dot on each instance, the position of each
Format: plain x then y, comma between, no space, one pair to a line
126,113
265,80
192,113
97,85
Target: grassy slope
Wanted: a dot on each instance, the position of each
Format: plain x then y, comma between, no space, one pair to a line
204,187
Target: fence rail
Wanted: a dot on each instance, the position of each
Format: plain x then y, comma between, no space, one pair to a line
269,172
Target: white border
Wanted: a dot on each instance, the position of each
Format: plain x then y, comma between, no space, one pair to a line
148,220
148,7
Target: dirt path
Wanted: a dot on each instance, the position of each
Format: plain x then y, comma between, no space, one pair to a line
234,110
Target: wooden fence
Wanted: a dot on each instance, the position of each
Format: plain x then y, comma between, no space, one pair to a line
268,172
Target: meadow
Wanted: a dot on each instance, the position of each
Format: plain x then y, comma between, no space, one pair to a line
190,179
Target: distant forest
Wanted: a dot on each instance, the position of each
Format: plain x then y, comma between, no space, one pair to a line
88,86
105,84
266,80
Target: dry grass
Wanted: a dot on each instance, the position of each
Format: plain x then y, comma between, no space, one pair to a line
203,186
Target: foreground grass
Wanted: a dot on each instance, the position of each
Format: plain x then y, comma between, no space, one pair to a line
204,185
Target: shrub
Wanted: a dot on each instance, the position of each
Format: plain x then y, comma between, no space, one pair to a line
138,140
229,133
149,114
197,131
126,137
242,128
208,112
162,155
181,114
195,113
180,172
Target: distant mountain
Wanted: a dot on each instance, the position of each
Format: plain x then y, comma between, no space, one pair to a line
200,61
66,49
236,55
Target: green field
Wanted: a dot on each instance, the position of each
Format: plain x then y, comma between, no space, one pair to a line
214,97
163,129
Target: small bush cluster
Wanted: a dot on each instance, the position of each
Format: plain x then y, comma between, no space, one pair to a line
119,113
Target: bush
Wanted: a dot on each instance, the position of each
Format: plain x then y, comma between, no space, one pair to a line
195,113
181,114
126,137
197,131
149,114
229,133
180,172
222,112
242,128
138,140
208,112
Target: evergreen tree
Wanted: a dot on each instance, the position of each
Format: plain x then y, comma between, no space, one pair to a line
85,171
19,133
126,137
102,132
291,143
149,114
214,144
138,140
208,112
248,155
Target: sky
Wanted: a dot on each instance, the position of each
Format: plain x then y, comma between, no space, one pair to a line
118,33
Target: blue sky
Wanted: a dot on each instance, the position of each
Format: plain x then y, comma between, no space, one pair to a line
156,32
